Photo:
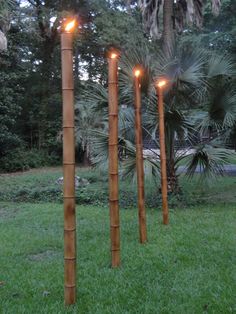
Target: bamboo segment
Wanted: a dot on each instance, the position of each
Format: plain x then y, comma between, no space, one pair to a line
139,162
113,161
68,169
163,157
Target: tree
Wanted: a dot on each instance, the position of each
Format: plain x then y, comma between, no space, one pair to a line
175,16
217,33
5,9
11,94
196,81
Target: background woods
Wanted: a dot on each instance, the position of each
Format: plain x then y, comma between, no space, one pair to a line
30,81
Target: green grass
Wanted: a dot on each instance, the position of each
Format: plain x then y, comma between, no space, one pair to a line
186,267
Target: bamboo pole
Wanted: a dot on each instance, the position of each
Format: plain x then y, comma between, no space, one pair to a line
139,158
160,106
68,169
113,159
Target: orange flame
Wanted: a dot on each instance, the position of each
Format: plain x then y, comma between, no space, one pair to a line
113,55
162,83
70,25
137,73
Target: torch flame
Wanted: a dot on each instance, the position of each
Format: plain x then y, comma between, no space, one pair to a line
113,55
137,73
162,83
70,25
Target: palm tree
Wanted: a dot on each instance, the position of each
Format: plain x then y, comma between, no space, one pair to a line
194,79
174,16
89,115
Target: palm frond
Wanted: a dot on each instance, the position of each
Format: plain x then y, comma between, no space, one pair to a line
126,123
208,160
96,94
150,11
221,107
151,165
99,149
220,65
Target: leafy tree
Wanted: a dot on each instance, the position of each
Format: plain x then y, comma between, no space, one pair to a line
11,92
217,33
174,15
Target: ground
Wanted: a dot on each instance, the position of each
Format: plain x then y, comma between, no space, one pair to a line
188,266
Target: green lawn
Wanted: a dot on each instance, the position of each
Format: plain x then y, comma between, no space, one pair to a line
188,266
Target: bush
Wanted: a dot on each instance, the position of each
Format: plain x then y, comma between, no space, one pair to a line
21,159
38,194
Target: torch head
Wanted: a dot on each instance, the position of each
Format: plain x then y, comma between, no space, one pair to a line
70,25
161,83
137,71
113,53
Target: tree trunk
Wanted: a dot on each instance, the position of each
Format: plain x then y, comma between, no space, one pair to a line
172,177
86,159
168,39
3,42
128,6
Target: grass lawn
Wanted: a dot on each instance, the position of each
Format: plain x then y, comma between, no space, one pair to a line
188,266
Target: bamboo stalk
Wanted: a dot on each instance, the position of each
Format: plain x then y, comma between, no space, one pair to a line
160,106
68,169
113,159
139,161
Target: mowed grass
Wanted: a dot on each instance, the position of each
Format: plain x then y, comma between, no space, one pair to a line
188,266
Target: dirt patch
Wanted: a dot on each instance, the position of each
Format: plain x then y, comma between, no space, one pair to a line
45,255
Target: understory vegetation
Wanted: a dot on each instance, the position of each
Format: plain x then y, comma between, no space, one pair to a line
41,185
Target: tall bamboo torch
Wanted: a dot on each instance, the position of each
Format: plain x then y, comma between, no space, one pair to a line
113,158
139,157
160,85
68,163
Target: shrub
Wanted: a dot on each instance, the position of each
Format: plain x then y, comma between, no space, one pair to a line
21,159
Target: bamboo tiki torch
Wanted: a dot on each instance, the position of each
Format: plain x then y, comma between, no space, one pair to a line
113,158
68,163
159,88
139,157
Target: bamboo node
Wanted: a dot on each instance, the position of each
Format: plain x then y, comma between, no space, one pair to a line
70,230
